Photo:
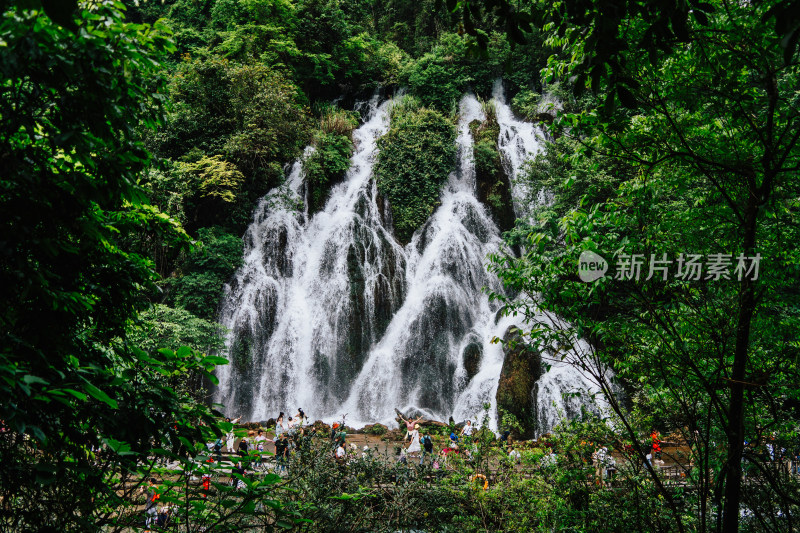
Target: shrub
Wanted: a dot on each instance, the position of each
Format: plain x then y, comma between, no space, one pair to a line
326,166
329,161
252,116
376,429
206,271
416,156
440,77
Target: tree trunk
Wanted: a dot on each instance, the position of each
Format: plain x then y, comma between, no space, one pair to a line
735,429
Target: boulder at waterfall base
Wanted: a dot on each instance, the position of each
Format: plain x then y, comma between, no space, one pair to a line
522,368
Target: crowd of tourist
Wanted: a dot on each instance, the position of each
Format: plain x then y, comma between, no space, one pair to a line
293,433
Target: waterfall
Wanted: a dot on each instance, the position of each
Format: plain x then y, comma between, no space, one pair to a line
331,314
419,362
313,293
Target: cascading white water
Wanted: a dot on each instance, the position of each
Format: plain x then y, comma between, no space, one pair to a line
518,142
312,293
329,313
418,364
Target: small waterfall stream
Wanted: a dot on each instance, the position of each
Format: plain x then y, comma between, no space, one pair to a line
329,313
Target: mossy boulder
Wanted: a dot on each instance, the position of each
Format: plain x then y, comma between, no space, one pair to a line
375,429
522,368
493,187
415,157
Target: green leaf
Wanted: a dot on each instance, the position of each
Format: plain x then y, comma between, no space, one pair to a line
34,379
214,360
120,448
76,394
100,395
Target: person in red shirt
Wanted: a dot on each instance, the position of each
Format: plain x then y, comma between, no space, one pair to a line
656,440
150,507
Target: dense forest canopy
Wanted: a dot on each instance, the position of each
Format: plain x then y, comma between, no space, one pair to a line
136,138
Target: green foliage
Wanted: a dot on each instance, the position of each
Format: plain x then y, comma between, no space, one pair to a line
337,121
330,159
571,178
376,429
439,77
326,165
205,271
493,186
217,181
386,63
416,156
248,115
526,103
212,186
487,159
701,166
70,164
336,47
164,327
82,411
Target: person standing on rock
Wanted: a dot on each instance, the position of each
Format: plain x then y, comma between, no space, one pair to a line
414,447
280,427
281,454
409,425
334,433
261,440
231,434
467,430
300,417
244,448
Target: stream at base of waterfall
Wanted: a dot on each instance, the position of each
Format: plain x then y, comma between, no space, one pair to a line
331,314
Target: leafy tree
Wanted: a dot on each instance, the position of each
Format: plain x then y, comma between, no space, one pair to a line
166,327
213,185
440,77
701,165
206,270
326,165
73,102
249,114
333,146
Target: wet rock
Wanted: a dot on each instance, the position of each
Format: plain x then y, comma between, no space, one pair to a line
494,188
522,368
473,354
475,224
424,423
277,257
427,365
321,427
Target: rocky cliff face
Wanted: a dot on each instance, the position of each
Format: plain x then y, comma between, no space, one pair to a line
522,368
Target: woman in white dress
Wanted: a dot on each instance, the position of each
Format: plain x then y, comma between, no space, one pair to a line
280,427
231,437
414,447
